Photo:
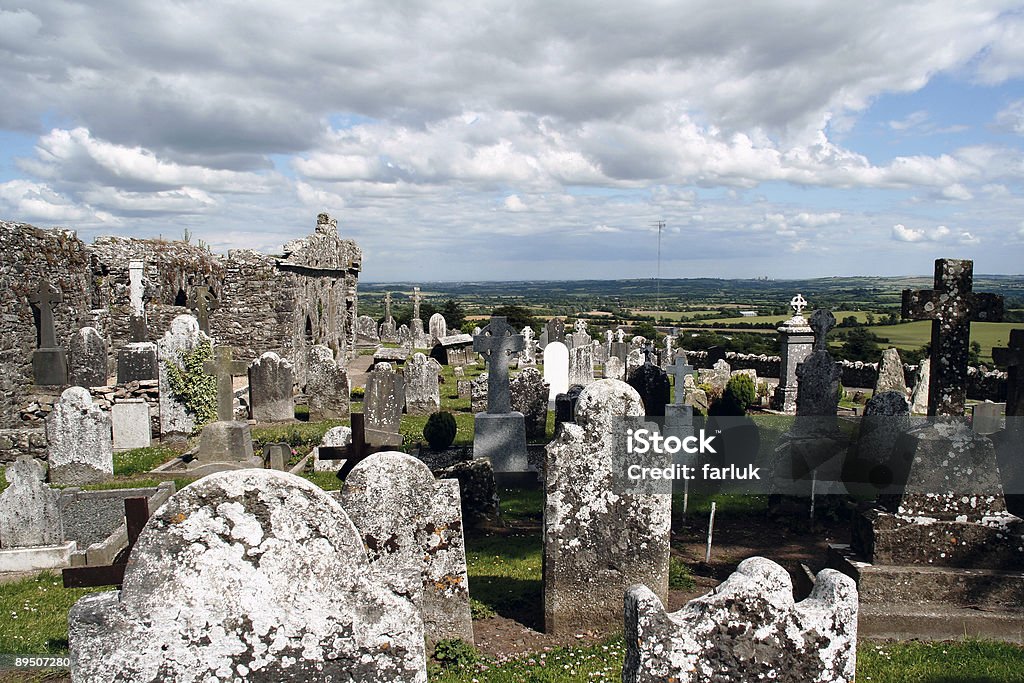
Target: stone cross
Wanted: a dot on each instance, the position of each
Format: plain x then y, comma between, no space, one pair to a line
387,306
951,306
620,336
45,296
798,303
415,302
822,322
203,303
496,343
224,369
680,369
668,346
609,337
1013,358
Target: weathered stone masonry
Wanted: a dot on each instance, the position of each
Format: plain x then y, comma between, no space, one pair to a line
283,303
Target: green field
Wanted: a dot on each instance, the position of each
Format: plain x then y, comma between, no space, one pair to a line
861,316
914,335
675,315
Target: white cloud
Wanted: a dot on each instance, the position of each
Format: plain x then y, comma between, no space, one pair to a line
29,201
940,234
606,229
514,203
910,121
902,233
1011,117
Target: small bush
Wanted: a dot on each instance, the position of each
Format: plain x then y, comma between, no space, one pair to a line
455,653
741,391
480,610
440,430
679,576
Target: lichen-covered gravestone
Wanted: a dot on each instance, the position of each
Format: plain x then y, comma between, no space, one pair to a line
581,365
80,441
385,396
327,386
652,383
271,380
438,328
411,522
255,576
334,437
599,537
366,330
179,343
795,343
613,368
890,373
749,628
88,358
530,397
499,433
422,391
29,509
919,399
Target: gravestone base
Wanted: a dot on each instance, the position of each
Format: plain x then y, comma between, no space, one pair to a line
899,602
37,558
784,400
886,538
76,473
226,445
50,367
137,362
501,438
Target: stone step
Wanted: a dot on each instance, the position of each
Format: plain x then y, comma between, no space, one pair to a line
937,622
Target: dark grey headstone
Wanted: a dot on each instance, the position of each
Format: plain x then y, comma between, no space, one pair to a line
137,362
88,358
652,383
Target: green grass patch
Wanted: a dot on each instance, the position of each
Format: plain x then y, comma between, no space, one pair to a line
301,436
600,663
520,505
914,335
969,661
3,479
679,576
505,575
142,460
34,614
328,481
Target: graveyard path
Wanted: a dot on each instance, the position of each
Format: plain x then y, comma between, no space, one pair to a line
357,369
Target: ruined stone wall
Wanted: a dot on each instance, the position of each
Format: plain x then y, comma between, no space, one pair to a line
172,271
255,314
31,253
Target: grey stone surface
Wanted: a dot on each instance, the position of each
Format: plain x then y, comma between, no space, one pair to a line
226,443
29,509
530,397
404,335
203,302
581,364
271,383
919,399
49,362
598,542
130,424
254,575
580,336
556,368
871,465
277,455
951,305
79,438
680,370
88,366
555,328
497,343
478,393
749,628
90,517
890,373
477,490
987,417
501,439
796,339
651,383
634,359
383,401
818,375
422,391
366,330
137,362
412,523
327,386
614,369
183,337
1012,356
335,436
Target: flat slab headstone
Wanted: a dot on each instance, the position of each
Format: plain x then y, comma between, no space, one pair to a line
384,399
581,364
599,538
29,509
131,424
277,455
78,433
438,328
88,366
919,398
614,369
253,575
987,417
422,390
411,522
556,368
183,338
328,389
652,383
137,362
271,383
366,330
749,628
530,397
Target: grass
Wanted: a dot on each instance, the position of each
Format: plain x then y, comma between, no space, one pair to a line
595,664
968,661
142,460
34,614
914,335
505,574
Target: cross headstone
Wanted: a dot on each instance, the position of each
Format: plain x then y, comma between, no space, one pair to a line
203,303
951,306
137,300
416,303
1012,356
387,305
798,303
136,514
45,296
680,369
224,368
496,343
358,450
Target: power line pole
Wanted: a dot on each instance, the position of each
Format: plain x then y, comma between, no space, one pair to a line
657,301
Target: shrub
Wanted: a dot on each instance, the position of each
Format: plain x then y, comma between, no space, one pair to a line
440,429
679,577
741,391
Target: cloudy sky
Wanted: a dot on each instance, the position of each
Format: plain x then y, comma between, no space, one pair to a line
537,140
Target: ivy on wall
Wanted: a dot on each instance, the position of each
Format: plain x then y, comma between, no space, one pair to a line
192,386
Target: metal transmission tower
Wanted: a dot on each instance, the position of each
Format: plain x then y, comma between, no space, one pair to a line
660,225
